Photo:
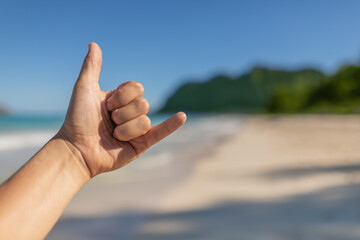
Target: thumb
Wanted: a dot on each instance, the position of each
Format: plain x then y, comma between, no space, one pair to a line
90,70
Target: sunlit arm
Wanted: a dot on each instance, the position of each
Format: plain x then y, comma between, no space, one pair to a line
33,199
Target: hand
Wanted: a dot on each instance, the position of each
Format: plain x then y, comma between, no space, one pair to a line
92,140
103,140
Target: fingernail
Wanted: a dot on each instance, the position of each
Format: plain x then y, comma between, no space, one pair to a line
109,106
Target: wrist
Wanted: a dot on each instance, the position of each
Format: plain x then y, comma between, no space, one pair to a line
74,161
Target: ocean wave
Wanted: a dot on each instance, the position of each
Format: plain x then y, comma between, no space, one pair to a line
26,139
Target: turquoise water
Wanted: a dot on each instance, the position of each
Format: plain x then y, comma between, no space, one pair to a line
24,131
30,122
30,131
20,123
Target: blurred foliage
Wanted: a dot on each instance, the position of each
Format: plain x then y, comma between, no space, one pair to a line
339,93
273,91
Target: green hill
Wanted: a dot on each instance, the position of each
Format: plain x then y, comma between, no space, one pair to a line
248,93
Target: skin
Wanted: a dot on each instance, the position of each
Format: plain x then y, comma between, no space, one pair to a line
102,131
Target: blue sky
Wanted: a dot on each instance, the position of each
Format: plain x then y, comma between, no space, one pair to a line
163,43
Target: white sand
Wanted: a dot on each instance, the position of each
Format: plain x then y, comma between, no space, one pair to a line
277,178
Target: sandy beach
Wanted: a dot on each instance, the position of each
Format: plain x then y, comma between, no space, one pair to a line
277,178
290,177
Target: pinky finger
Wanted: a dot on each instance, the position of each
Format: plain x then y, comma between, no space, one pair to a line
158,132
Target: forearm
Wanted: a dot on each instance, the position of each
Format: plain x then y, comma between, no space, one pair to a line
32,200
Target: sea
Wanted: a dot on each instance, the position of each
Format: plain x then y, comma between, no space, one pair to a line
21,136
